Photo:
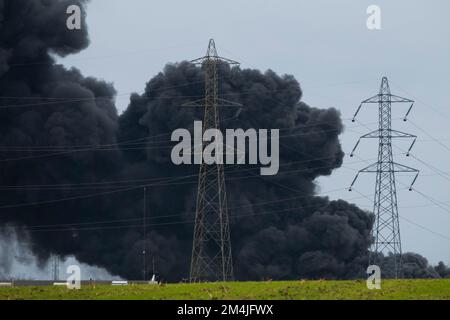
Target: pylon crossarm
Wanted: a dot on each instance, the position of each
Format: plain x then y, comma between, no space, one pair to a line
227,103
196,103
376,134
400,134
374,99
229,61
201,60
371,168
220,103
383,133
403,168
397,99
392,99
373,134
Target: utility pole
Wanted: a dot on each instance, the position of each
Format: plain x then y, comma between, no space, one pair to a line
144,250
386,230
211,249
153,266
55,267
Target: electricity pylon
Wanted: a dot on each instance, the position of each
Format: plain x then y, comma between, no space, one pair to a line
386,230
211,250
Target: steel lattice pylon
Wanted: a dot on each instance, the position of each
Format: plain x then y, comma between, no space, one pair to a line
386,230
211,251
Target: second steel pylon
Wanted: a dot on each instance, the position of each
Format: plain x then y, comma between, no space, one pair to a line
386,230
211,250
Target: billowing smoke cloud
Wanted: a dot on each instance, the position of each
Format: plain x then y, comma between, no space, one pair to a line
44,108
442,270
73,172
414,266
280,230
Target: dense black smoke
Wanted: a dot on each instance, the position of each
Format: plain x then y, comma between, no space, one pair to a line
44,109
442,270
73,172
413,266
303,236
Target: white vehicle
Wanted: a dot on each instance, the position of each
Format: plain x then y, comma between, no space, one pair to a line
153,281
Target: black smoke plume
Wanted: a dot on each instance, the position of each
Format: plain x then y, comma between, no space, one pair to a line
45,110
280,230
413,266
73,172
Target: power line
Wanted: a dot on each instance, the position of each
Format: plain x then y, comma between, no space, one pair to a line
31,228
102,57
106,147
168,183
424,103
100,184
270,212
95,149
263,203
127,94
412,222
430,136
425,228
234,216
439,172
142,97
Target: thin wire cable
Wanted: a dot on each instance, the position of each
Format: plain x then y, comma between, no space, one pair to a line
165,183
411,222
181,214
173,223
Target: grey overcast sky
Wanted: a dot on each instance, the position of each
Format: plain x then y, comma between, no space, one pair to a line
338,62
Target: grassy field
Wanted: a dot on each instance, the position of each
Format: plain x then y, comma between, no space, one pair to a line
302,290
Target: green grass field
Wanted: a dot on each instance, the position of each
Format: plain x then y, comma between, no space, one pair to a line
301,290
